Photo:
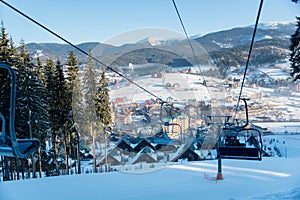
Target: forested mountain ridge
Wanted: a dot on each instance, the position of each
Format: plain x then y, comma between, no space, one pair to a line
226,47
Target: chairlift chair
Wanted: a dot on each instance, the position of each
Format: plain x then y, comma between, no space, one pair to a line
9,145
240,142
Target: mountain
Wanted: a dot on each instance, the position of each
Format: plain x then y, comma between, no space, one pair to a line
225,48
58,51
155,41
243,35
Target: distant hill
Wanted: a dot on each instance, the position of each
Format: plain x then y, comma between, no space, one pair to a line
242,35
58,51
225,48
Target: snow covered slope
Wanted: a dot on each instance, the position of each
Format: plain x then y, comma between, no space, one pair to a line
272,178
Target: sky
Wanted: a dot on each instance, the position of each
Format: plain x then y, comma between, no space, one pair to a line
98,20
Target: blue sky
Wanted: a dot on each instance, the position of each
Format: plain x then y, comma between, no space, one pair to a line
98,20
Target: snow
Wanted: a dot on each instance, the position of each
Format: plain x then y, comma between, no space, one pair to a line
158,87
274,25
156,41
275,73
271,178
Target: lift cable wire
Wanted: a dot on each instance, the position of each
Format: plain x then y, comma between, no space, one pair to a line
249,55
188,39
185,32
79,49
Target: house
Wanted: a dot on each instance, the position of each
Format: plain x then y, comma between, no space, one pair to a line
111,160
123,119
125,145
177,125
188,154
146,155
144,142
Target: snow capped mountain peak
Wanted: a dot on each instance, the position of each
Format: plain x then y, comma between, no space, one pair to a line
155,41
275,25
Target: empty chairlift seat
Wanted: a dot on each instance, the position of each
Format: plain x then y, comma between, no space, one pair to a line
9,144
236,143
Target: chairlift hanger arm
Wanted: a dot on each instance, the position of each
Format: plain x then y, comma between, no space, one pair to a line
249,54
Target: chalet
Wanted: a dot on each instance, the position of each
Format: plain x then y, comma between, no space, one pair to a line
111,160
144,142
124,144
146,155
188,154
131,150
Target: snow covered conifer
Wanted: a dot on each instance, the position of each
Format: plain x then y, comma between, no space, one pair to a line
295,49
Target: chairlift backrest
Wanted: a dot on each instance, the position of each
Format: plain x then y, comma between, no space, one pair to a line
9,144
243,144
230,143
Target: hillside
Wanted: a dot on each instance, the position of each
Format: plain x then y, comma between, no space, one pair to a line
226,48
59,51
271,178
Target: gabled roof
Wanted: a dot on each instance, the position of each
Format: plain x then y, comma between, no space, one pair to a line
145,155
144,142
124,144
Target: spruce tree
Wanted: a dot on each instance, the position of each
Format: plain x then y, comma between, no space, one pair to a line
103,111
77,116
60,95
32,119
73,91
5,55
40,71
8,56
72,69
295,52
50,88
62,102
102,102
23,100
90,89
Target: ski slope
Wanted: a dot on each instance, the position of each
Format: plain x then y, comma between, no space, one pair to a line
272,178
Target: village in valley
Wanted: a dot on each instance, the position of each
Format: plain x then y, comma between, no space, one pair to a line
148,136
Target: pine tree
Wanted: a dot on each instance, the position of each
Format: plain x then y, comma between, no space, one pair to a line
72,74
62,102
295,52
90,89
72,70
22,94
40,71
7,55
79,121
32,119
50,88
103,110
102,102
60,111
73,92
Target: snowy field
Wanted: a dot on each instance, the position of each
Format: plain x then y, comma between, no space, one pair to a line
188,88
271,178
184,87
